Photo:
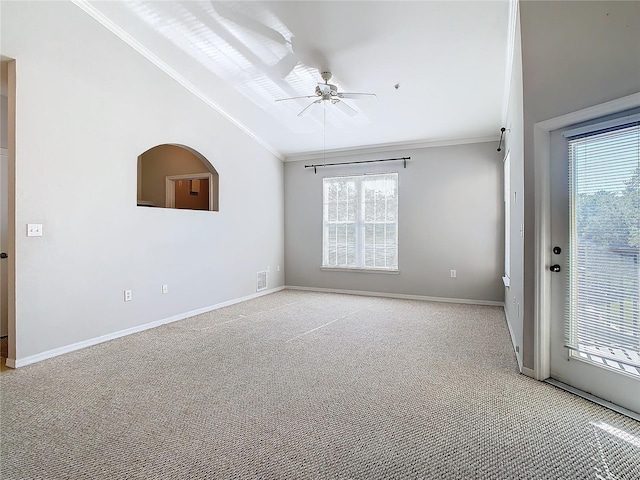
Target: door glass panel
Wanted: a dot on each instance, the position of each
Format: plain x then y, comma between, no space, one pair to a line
603,324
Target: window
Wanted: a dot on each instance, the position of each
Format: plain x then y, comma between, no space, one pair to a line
604,276
360,222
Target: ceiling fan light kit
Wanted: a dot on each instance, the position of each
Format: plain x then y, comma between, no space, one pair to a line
328,92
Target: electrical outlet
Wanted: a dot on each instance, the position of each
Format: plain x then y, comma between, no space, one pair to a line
165,288
127,295
34,229
268,269
278,267
453,274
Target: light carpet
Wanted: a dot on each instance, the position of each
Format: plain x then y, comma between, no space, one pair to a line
302,385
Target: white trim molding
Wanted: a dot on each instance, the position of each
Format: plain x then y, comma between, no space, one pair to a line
542,158
541,307
21,362
386,148
511,47
364,293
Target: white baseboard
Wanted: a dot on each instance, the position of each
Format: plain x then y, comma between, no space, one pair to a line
21,362
490,303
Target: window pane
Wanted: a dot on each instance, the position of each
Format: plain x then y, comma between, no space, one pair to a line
368,233
604,319
351,245
391,234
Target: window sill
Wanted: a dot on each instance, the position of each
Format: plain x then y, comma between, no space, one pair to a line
360,270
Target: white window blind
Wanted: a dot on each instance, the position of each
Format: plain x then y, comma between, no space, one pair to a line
360,222
604,288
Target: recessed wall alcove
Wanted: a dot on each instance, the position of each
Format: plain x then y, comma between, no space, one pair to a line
176,176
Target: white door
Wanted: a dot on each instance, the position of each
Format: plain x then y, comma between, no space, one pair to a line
595,263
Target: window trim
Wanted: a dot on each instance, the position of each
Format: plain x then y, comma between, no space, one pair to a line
387,271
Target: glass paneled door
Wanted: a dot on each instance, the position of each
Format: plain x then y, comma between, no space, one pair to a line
595,264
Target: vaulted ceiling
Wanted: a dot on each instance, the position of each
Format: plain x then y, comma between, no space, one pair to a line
437,68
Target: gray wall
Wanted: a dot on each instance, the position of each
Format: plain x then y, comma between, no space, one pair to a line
88,105
450,217
574,55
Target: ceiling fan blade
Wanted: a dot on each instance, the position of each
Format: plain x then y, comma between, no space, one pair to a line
356,95
344,107
295,98
306,109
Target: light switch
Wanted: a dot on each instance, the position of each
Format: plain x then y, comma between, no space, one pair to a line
34,229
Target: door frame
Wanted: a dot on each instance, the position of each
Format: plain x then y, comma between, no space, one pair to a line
4,198
170,195
10,248
542,205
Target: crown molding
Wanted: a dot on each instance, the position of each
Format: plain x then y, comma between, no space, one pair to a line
511,46
142,50
385,148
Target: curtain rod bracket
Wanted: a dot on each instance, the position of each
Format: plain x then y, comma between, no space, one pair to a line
502,130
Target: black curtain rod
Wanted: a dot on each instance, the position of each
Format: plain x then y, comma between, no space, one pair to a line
404,159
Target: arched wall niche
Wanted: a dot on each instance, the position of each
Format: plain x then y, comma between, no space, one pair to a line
177,176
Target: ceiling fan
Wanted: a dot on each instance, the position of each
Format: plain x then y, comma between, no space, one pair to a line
327,92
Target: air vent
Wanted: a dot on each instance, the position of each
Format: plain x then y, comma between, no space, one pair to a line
262,281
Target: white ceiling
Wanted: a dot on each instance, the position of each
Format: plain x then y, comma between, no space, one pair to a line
449,59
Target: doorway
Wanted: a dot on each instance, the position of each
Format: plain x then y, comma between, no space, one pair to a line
595,326
587,277
190,191
7,211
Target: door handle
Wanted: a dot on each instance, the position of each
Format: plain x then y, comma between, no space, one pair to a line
3,255
555,268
